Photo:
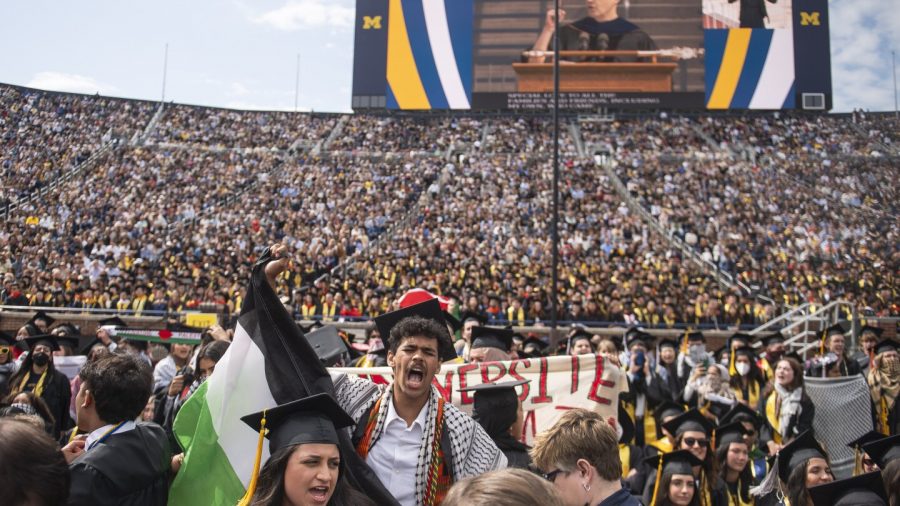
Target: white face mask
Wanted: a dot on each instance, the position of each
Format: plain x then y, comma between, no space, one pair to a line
742,368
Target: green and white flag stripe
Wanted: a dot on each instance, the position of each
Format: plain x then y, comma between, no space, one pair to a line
159,336
220,447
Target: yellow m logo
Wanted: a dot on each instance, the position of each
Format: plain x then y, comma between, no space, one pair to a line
809,18
374,22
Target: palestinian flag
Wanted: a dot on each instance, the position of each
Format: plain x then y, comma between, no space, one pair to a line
268,363
159,336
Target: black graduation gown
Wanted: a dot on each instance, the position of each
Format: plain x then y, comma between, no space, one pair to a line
516,452
130,468
57,394
798,423
753,13
618,34
848,367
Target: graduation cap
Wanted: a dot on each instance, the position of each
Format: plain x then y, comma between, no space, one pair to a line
66,329
797,452
689,420
885,346
430,310
640,337
48,339
695,337
863,490
40,315
741,413
746,351
739,336
871,330
733,432
665,410
72,342
495,405
114,321
327,344
468,316
677,462
839,328
488,337
7,339
534,346
314,419
580,334
857,445
773,338
883,450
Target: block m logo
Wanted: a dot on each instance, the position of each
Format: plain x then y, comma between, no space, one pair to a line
809,18
374,22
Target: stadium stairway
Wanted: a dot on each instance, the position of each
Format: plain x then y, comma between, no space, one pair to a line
335,134
803,325
141,137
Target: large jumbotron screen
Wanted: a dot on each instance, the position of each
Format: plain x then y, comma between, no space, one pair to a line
673,54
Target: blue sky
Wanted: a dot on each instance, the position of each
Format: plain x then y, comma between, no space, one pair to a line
243,53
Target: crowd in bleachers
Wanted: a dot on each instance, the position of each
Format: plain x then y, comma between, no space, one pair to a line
459,205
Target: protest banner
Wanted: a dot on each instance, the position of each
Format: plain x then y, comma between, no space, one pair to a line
556,385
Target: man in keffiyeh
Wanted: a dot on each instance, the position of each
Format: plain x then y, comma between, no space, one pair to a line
884,384
415,442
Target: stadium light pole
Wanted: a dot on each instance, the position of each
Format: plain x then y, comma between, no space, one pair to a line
554,226
297,85
165,69
894,64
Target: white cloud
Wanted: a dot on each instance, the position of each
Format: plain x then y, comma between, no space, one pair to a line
239,89
298,14
862,35
74,83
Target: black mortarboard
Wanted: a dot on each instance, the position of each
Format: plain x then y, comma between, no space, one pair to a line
314,419
49,339
666,409
677,462
327,344
40,315
473,316
114,321
430,310
667,342
507,386
770,339
536,344
837,328
65,329
797,452
696,336
741,413
580,334
874,330
495,405
868,437
883,450
454,322
863,490
71,341
6,338
885,345
489,337
639,337
730,433
739,336
86,348
689,420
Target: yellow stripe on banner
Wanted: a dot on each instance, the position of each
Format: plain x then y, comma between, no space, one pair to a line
402,74
730,69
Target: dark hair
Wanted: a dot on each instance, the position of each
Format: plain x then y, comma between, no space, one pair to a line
270,487
709,468
39,405
755,375
213,351
891,477
32,468
797,492
662,497
417,326
745,477
120,385
16,378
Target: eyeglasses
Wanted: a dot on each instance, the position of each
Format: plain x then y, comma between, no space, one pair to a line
4,349
702,443
868,462
551,476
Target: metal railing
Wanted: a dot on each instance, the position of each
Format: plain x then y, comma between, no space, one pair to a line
799,324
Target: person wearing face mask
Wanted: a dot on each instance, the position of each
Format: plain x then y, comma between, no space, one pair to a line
868,339
694,357
773,344
884,385
747,382
38,375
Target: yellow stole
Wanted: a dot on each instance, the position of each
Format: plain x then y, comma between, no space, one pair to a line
752,392
735,500
328,312
663,445
625,457
649,423
772,417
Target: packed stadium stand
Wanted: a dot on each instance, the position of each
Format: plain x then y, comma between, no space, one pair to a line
666,220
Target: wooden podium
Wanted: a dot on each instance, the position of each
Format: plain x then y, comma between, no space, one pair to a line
649,76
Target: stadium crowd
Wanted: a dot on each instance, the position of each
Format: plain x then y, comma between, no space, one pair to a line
175,223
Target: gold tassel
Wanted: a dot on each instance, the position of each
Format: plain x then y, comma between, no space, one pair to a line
245,501
658,479
883,416
857,467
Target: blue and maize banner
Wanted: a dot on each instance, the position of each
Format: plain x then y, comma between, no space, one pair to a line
429,54
749,68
